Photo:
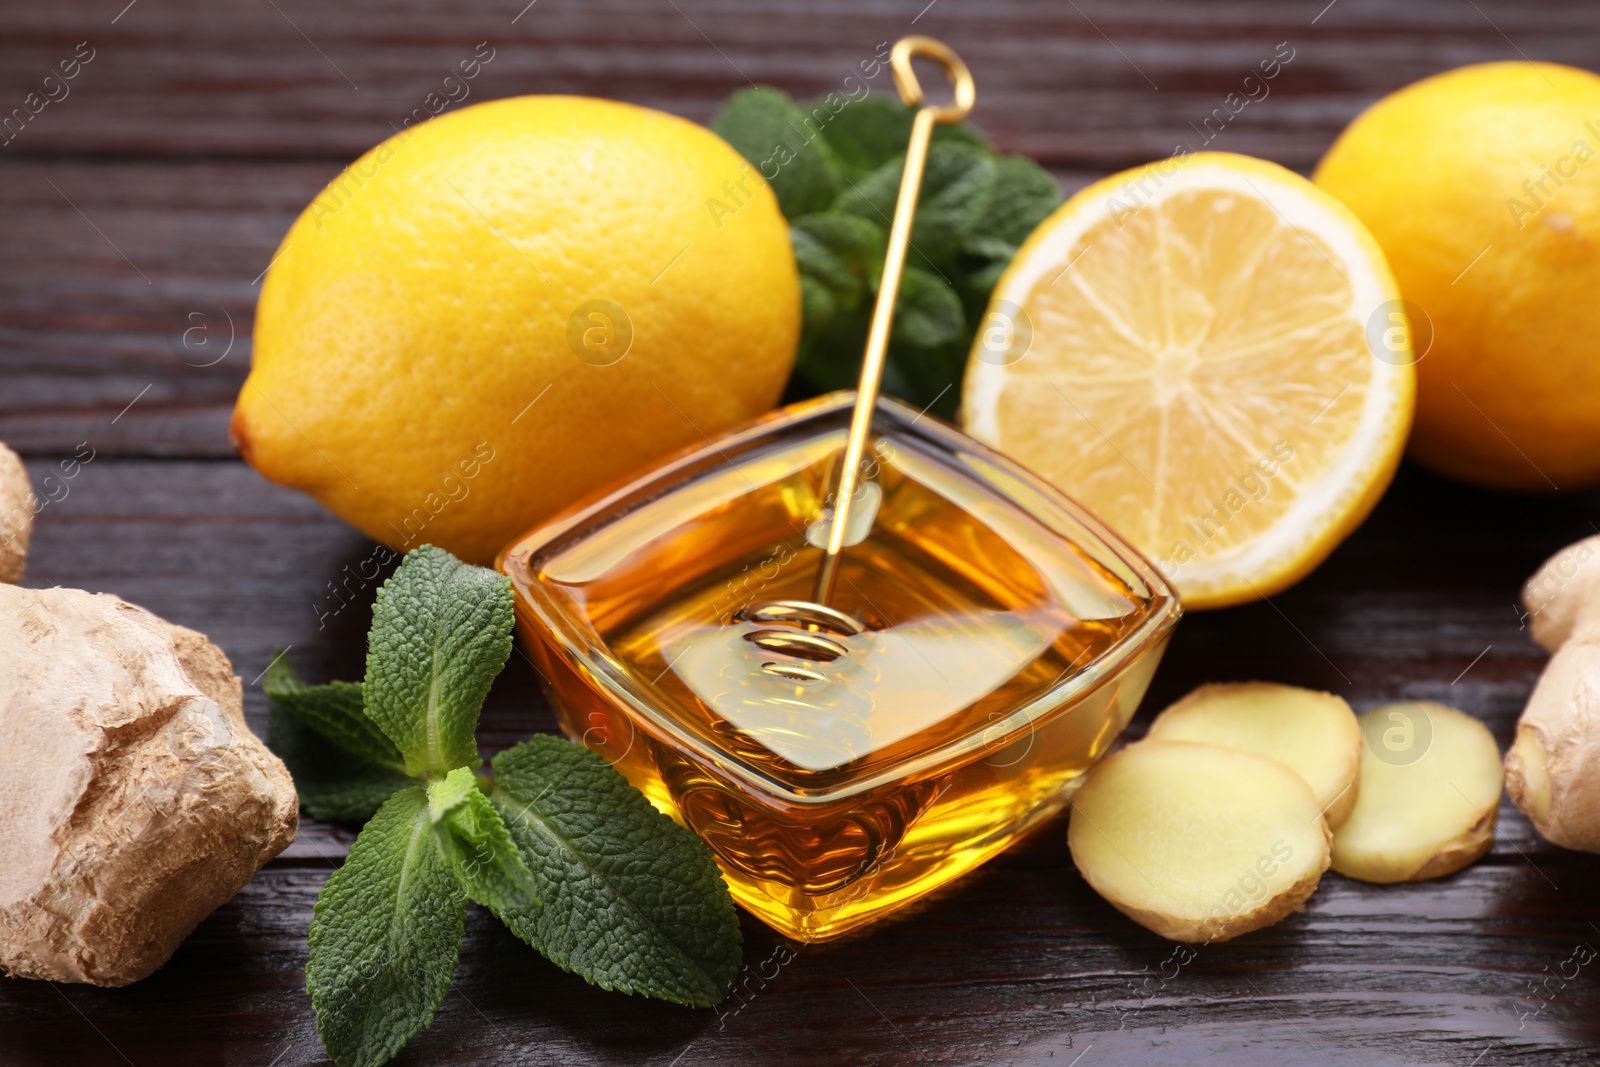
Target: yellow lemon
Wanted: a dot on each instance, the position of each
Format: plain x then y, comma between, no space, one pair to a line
497,312
1483,187
1184,349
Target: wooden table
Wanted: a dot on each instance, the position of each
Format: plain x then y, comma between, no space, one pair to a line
138,213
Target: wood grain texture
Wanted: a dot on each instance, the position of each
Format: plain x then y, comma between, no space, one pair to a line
1102,83
128,297
138,214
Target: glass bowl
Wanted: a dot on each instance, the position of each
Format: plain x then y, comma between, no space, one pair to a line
1010,638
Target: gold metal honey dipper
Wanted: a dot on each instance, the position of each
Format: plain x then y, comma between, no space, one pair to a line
808,623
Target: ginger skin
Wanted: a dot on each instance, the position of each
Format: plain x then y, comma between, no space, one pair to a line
134,799
16,516
1553,767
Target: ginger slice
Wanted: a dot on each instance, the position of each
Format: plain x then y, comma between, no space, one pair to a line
1313,734
1196,842
1430,788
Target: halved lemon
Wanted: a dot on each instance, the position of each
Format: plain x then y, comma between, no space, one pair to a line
1209,353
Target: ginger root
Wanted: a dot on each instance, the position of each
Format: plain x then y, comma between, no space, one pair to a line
16,515
1313,734
1430,789
133,798
1196,842
1553,769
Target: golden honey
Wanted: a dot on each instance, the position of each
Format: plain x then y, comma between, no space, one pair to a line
1009,639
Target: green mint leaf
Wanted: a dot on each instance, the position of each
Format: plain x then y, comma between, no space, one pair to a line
441,631
385,936
1024,195
487,864
983,280
868,133
817,305
343,766
843,252
989,248
830,357
928,313
333,710
956,187
975,210
782,142
871,131
333,785
632,901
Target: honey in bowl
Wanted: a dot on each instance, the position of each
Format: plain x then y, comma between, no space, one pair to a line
1009,638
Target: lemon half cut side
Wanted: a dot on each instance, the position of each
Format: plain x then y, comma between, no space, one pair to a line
1212,355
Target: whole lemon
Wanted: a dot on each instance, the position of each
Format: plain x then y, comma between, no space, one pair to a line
492,314
1483,186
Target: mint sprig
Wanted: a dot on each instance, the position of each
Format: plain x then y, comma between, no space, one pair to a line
557,844
836,159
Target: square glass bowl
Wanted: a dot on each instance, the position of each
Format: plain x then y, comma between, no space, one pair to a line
1010,638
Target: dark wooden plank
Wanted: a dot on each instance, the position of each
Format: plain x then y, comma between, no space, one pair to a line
1097,82
125,314
1019,963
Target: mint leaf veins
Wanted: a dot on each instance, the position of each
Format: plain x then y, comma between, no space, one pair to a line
486,862
441,631
632,902
385,936
344,767
557,844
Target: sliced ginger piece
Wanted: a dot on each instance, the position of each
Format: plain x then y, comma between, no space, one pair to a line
1313,734
1195,842
1430,787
